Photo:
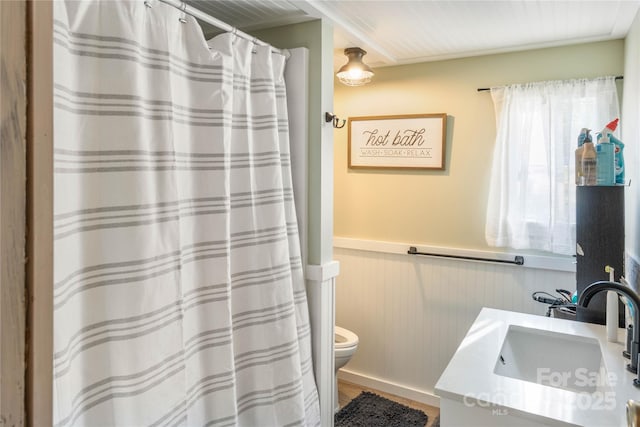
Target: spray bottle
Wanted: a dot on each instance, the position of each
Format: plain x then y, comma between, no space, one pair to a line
581,138
618,153
619,159
605,156
588,162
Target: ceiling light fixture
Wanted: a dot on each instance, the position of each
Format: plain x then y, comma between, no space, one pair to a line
354,72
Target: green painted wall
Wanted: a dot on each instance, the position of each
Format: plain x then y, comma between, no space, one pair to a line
444,208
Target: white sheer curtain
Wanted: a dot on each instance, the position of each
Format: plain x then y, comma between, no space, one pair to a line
532,194
179,293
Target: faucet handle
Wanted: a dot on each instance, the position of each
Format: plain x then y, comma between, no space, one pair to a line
633,413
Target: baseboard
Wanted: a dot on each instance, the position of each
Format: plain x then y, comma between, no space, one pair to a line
389,387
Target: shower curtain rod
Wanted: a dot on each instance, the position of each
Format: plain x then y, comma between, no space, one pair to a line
486,89
197,13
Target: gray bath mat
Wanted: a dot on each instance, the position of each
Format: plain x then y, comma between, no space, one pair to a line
371,410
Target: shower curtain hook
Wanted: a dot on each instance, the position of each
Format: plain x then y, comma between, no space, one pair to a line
183,8
148,4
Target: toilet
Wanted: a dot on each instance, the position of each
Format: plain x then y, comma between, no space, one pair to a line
345,344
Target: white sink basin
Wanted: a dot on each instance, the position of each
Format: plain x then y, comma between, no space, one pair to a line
552,359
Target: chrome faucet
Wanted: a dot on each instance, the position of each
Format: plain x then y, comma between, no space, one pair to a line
594,288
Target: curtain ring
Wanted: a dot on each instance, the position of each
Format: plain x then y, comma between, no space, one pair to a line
183,8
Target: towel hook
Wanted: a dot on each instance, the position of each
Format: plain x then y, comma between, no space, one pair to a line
329,118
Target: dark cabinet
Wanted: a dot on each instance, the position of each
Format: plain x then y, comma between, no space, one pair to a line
600,242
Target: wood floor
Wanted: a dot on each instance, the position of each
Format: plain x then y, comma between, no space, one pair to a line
347,391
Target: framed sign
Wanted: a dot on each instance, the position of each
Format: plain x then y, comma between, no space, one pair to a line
415,141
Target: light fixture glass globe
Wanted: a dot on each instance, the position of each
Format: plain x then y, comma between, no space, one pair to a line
355,72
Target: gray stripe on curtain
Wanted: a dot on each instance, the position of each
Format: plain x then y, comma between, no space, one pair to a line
164,259
235,203
90,338
62,29
126,97
214,251
213,119
268,396
100,153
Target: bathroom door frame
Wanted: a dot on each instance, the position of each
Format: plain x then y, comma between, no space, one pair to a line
39,244
13,114
26,274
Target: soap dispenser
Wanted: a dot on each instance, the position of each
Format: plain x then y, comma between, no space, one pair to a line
588,162
578,163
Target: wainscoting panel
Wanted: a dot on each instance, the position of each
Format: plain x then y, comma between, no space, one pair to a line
412,312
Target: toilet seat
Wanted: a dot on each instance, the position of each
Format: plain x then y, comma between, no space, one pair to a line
345,344
344,339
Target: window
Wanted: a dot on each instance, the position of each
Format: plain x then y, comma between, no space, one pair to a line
532,193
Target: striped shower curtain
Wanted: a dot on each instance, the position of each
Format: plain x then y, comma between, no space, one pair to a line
179,294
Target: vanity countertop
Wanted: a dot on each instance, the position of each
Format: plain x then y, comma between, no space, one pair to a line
469,378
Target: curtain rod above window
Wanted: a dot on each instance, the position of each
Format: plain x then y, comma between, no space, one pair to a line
486,89
197,13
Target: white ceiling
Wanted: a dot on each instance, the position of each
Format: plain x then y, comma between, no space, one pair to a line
403,32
